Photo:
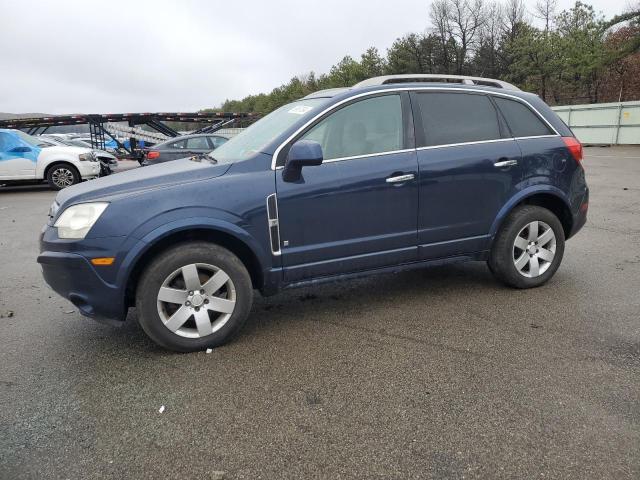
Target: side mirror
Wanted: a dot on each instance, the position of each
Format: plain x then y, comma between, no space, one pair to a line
303,153
20,150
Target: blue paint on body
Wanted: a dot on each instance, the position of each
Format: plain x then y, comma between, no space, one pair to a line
11,139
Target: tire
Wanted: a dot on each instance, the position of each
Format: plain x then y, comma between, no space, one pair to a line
523,242
182,327
62,175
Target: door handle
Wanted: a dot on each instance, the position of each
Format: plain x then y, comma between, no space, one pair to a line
505,163
401,178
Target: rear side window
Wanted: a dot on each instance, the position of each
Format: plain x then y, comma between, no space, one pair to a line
199,143
521,120
449,118
366,127
179,144
217,141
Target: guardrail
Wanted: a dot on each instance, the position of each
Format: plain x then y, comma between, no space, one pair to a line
603,123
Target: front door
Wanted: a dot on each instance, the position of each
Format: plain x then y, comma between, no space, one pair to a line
17,157
358,210
469,167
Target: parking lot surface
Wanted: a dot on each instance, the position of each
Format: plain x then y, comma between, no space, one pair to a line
438,373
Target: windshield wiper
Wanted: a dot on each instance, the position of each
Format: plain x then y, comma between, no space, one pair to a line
198,157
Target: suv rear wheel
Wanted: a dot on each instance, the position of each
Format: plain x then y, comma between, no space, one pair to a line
194,296
528,249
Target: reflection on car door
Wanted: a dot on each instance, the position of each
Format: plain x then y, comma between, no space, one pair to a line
469,167
358,209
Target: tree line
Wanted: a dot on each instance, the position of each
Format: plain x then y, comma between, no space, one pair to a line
567,57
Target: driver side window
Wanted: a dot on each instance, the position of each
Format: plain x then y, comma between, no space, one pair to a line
369,126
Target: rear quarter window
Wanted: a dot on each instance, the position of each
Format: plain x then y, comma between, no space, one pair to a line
521,120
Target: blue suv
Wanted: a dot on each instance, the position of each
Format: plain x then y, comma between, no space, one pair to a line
394,173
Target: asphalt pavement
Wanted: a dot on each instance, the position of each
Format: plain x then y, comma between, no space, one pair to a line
437,373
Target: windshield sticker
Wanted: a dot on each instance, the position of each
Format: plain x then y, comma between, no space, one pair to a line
300,109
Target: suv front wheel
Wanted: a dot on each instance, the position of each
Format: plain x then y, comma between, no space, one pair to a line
193,296
528,248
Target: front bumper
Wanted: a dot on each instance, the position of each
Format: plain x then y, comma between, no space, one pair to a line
88,169
71,275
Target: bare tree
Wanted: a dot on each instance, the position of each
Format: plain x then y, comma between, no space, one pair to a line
466,19
545,10
439,14
514,15
486,58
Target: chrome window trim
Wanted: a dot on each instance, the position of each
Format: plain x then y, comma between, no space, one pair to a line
509,139
368,155
538,136
445,145
411,89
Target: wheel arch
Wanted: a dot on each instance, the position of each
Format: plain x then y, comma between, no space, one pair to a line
53,163
552,200
206,234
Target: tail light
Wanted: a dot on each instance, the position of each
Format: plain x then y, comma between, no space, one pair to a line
575,147
152,155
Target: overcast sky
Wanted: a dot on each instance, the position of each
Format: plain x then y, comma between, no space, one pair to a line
79,56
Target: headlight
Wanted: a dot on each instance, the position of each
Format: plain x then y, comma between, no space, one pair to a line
87,157
77,220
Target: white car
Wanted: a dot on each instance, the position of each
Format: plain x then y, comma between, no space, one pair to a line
27,158
108,161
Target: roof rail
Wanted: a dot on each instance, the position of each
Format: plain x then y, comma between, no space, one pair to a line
327,92
428,77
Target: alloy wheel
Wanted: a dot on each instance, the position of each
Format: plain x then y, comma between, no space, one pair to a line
196,300
62,177
534,249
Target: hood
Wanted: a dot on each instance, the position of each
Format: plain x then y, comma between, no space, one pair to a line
141,179
66,150
104,153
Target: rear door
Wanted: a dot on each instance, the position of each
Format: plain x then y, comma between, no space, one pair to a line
543,152
173,150
358,209
469,167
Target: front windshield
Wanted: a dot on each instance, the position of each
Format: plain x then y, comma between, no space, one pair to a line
255,138
33,141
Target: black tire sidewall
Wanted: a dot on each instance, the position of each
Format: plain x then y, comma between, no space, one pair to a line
501,258
54,167
166,263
